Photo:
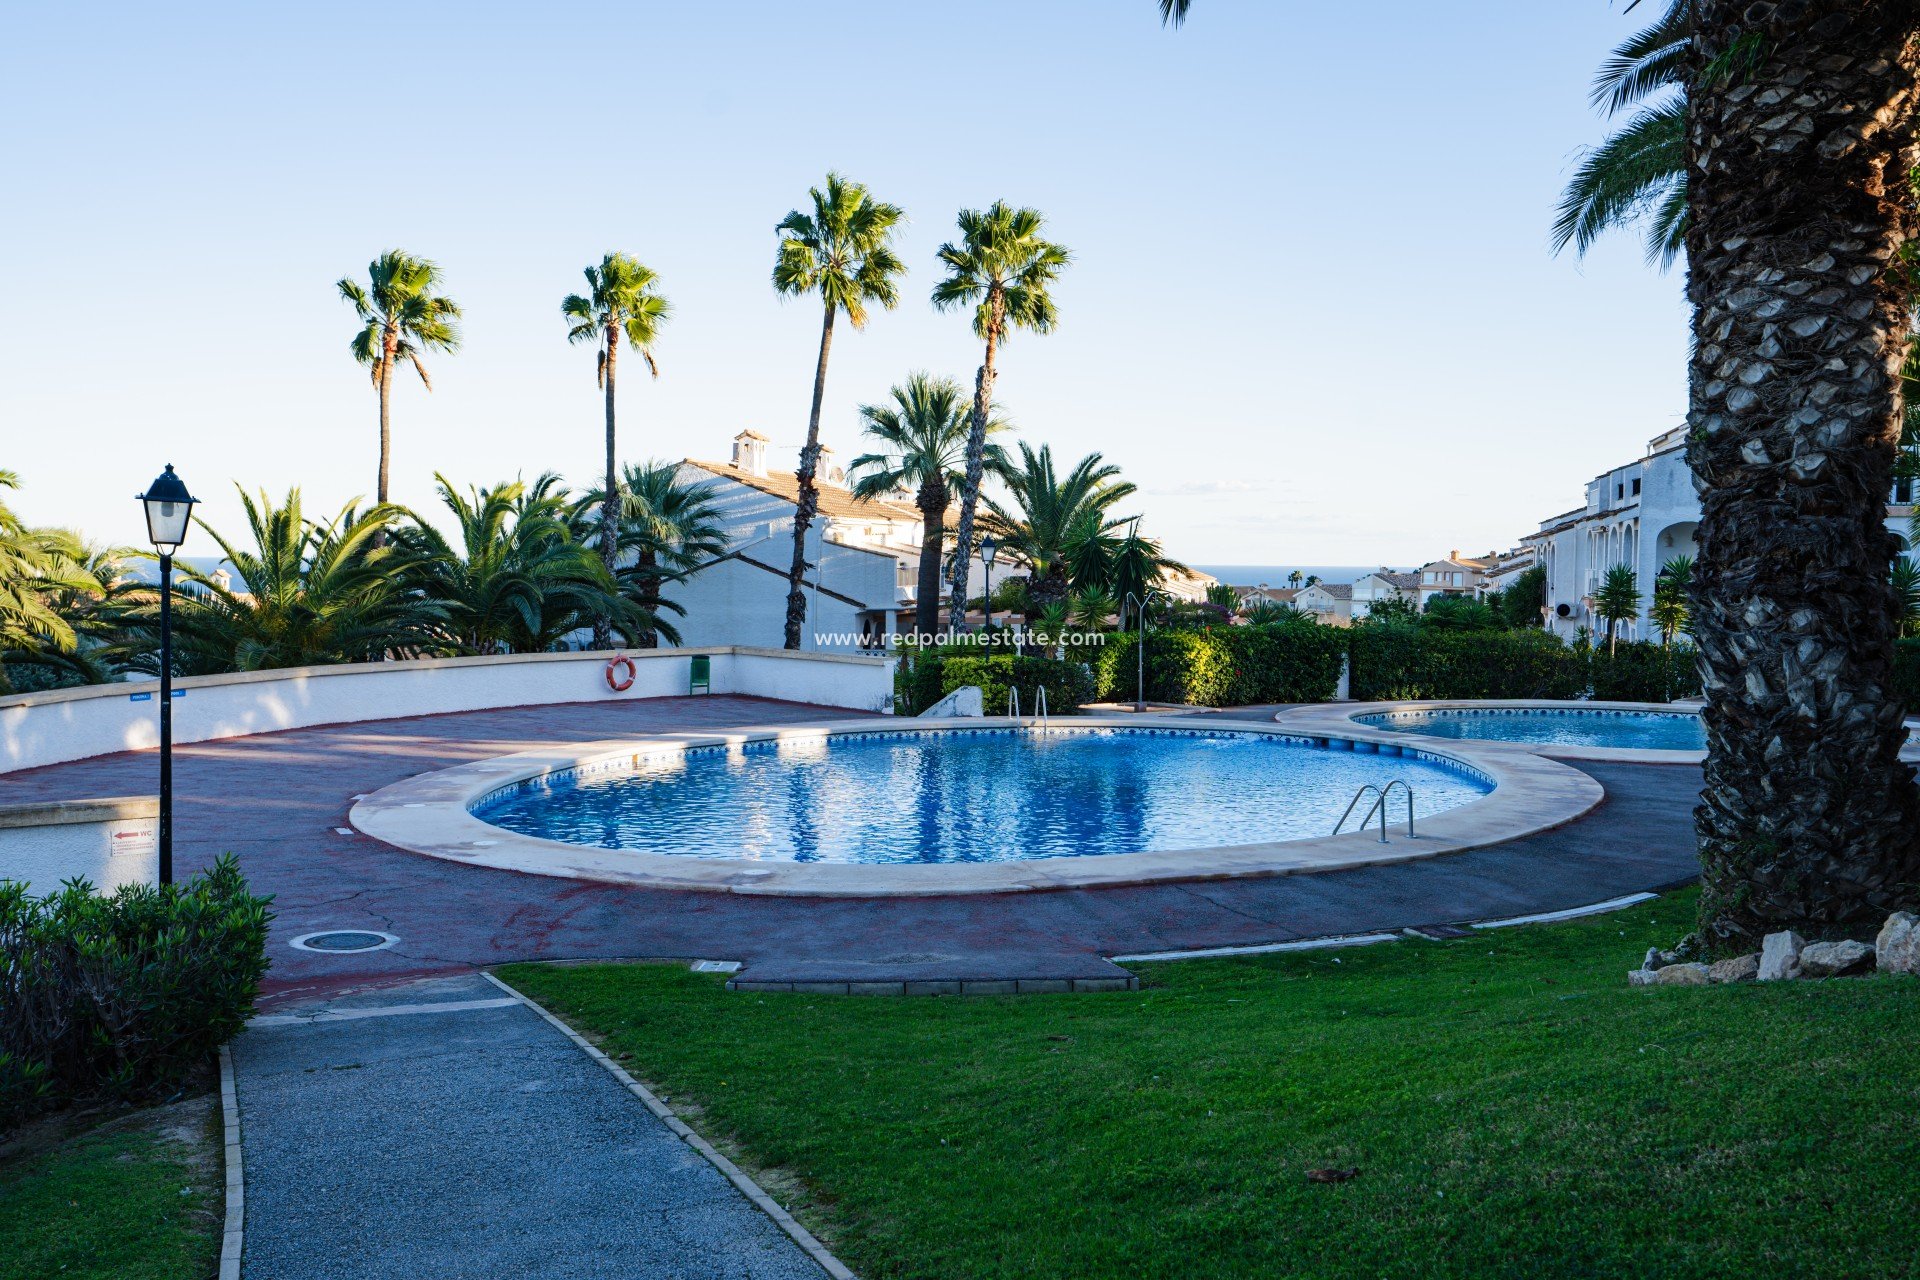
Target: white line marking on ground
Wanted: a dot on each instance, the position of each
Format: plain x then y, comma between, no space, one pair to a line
1302,944
376,1011
746,1186
232,1240
716,966
1571,913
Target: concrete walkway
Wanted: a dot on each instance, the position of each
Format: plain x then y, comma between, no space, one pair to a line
440,1131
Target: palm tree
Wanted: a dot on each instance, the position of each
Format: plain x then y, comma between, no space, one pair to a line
1617,601
843,252
307,594
1293,579
401,314
43,574
923,439
1003,268
516,580
1138,566
1047,518
622,298
1670,590
1800,217
668,530
1906,593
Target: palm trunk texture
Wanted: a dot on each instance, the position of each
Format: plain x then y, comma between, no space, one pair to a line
976,466
808,504
1800,139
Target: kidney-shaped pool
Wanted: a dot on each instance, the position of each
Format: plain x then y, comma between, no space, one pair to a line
972,796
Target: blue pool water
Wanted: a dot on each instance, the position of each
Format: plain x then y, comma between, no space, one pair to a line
1573,727
980,795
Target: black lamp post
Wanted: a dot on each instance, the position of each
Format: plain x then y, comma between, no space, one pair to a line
988,550
1140,648
169,508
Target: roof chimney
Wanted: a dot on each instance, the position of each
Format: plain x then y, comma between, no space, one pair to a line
750,453
828,471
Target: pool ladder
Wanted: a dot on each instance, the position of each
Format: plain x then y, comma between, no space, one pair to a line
1040,714
1379,806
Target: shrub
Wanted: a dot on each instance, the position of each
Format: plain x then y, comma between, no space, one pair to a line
1068,683
1906,673
1643,671
1398,662
1226,666
122,996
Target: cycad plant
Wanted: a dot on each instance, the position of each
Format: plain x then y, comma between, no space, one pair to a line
922,438
1004,268
402,313
1617,601
513,579
669,529
1047,517
305,593
622,299
1670,591
843,252
1906,594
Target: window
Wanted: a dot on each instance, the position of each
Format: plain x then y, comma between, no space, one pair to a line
1636,488
1903,490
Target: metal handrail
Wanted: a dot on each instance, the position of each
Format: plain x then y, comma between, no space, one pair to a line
1379,806
1040,696
1013,703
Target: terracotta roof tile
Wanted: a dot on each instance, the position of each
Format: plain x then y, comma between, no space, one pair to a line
834,500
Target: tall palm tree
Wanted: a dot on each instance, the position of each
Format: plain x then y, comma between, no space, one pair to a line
622,297
306,593
42,572
1617,601
1799,225
843,252
514,579
669,529
1003,268
401,315
1048,517
923,439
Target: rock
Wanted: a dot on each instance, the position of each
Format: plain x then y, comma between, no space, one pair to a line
1739,969
1835,959
1640,977
1898,946
1780,956
1655,959
1687,974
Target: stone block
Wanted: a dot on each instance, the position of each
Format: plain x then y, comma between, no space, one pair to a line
1780,956
1898,946
1835,959
1690,974
1739,969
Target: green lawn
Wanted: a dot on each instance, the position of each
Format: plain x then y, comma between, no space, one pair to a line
1513,1107
139,1199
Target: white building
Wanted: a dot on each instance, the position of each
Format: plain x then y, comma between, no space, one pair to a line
1640,515
863,557
1383,584
1455,575
1330,603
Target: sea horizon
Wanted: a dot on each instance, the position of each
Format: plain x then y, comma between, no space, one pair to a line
1275,575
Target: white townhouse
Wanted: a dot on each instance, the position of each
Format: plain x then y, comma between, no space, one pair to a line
863,557
1330,603
1640,515
1456,575
1383,584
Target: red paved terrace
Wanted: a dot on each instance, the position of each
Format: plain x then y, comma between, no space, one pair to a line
279,801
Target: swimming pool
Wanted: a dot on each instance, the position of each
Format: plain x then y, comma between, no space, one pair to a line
1554,726
970,795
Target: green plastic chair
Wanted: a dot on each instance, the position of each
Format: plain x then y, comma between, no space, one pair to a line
700,674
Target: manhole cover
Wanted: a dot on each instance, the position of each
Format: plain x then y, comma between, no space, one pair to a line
339,940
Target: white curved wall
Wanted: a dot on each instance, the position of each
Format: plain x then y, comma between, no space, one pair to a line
72,724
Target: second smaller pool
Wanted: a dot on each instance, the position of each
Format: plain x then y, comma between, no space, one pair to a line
1553,726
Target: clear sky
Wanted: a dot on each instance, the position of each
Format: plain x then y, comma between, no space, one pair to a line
1312,312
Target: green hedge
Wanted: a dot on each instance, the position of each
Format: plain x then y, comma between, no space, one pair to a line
122,996
1225,666
1906,673
933,675
1403,663
1644,672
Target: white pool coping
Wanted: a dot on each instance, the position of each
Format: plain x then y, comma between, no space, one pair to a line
431,814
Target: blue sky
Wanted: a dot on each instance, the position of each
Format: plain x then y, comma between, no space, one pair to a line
1312,311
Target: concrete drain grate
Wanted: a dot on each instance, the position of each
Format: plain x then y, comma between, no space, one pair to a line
343,941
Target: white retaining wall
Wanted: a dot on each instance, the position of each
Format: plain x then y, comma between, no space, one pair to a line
109,842
72,724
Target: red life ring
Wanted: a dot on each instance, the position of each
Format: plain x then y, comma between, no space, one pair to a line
620,684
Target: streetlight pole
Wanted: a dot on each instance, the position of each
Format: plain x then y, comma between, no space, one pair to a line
988,550
168,508
1140,652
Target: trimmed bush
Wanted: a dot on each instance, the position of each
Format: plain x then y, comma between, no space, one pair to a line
122,996
1225,666
1394,663
1644,672
937,673
1906,673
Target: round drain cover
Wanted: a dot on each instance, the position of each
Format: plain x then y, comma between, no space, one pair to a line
343,940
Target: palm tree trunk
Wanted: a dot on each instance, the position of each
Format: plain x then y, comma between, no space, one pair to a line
1799,204
609,510
386,431
976,465
808,504
932,501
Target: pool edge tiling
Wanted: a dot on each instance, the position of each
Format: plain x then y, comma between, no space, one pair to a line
432,814
1344,717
